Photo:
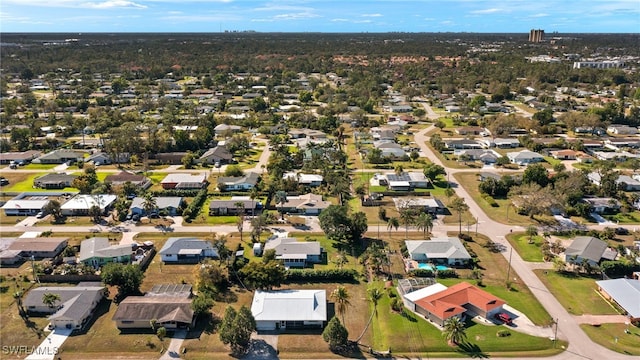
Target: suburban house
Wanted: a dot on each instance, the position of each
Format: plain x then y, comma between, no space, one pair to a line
525,157
224,128
588,248
390,149
439,251
97,251
25,205
483,155
170,204
234,207
625,293
312,180
184,250
462,144
565,154
54,181
123,177
604,205
295,253
437,304
428,205
402,182
307,204
14,250
184,181
624,182
59,156
172,158
499,142
23,157
80,204
75,307
103,158
238,183
289,309
306,133
169,305
216,156
469,130
622,130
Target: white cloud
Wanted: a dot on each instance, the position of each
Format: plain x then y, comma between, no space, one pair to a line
296,16
487,11
362,21
111,4
339,20
539,15
371,15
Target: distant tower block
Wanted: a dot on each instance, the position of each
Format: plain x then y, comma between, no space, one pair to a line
536,35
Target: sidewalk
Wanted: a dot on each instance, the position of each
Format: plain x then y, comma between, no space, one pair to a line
601,319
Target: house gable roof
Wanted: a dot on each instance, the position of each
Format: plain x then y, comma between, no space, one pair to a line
451,302
219,152
175,244
101,248
290,305
449,248
66,293
291,246
587,247
625,292
147,308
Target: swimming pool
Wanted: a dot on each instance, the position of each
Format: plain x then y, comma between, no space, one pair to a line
430,267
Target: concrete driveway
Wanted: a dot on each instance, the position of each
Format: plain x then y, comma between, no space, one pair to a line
49,347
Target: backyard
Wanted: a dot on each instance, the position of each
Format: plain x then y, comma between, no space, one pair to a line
614,337
528,252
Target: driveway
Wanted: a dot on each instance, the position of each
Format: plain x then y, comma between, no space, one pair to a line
263,346
601,220
48,349
173,351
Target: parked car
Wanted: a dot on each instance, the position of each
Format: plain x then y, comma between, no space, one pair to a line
39,215
622,231
4,181
504,317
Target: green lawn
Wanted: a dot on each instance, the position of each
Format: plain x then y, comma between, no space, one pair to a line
577,294
528,252
27,185
613,337
40,166
625,218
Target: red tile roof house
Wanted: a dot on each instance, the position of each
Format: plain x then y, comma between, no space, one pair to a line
457,300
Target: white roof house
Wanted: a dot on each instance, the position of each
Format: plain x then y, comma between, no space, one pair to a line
80,204
424,292
449,251
24,207
304,179
625,292
289,309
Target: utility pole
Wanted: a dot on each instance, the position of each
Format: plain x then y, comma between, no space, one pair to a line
555,334
33,267
509,268
477,226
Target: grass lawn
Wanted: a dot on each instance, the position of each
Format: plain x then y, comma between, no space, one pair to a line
606,335
625,218
26,184
40,166
528,252
577,294
504,213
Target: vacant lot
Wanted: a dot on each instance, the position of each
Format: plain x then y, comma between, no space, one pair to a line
613,336
576,293
528,252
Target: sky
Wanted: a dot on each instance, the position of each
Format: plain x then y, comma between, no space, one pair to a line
482,16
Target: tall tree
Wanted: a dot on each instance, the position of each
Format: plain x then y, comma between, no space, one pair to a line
336,335
424,222
407,215
392,223
454,330
50,299
240,223
236,328
341,296
281,198
459,205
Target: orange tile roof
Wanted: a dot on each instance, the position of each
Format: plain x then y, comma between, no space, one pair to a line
450,302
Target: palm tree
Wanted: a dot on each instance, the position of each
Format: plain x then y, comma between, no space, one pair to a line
341,296
424,222
18,297
281,198
50,299
374,295
253,194
531,232
392,223
149,204
454,330
398,169
240,209
407,215
458,205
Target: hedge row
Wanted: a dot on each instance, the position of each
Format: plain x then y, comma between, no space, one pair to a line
194,207
443,274
331,275
489,199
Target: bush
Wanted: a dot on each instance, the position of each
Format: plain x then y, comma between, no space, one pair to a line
503,333
445,274
489,199
422,273
330,275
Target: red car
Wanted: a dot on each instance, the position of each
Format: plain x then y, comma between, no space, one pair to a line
504,318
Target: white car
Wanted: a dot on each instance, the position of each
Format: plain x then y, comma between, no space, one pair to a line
39,215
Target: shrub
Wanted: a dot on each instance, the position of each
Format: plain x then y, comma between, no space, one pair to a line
503,333
329,275
422,273
489,199
445,274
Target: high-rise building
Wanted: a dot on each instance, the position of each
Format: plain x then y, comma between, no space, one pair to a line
536,35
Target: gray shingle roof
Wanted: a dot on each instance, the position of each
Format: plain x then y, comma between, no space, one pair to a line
587,247
175,244
449,248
